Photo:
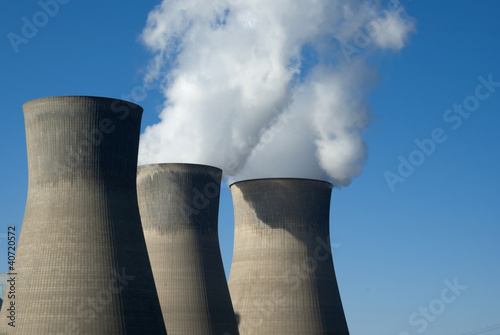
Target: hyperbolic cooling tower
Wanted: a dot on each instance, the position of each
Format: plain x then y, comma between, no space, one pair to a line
82,265
282,279
179,206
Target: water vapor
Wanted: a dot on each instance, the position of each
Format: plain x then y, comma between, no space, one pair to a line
267,88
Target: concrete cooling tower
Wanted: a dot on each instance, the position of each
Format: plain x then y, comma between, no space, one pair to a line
82,265
282,279
179,206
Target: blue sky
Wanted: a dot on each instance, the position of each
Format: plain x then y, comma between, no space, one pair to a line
397,249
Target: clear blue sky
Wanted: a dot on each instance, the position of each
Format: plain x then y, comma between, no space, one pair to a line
397,249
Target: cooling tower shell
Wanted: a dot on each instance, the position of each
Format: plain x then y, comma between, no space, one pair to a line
282,278
82,265
179,206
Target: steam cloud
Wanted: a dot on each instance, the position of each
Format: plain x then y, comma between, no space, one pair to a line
267,88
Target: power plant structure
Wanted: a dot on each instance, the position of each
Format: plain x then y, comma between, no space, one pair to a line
81,265
282,279
179,206
109,248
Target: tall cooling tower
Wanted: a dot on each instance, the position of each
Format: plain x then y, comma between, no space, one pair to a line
179,206
282,279
82,265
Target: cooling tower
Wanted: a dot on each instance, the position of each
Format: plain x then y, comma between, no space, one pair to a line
82,265
179,206
282,279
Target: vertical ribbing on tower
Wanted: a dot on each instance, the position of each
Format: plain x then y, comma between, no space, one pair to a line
179,205
82,265
282,279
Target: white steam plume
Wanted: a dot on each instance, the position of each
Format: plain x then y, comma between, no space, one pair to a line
267,88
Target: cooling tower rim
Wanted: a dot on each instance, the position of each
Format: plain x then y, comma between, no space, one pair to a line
152,166
284,178
132,105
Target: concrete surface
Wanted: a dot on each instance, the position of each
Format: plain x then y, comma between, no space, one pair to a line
282,280
179,206
82,265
